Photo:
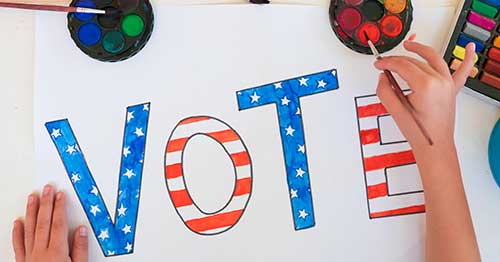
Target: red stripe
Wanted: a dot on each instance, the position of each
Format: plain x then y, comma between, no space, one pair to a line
214,221
181,198
241,158
400,211
193,120
176,144
378,190
173,171
224,136
370,136
371,110
243,186
388,160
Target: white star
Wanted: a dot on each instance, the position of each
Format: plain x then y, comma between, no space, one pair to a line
130,115
278,85
94,190
71,149
111,253
121,210
94,210
303,81
126,151
334,72
129,173
128,247
298,111
146,107
285,101
75,177
255,97
293,193
289,131
321,84
303,214
138,132
126,229
300,172
302,149
56,133
103,235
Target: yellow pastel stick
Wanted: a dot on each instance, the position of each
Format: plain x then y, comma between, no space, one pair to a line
459,52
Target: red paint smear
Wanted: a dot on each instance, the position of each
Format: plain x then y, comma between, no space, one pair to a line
243,186
370,136
371,30
400,211
214,221
371,110
240,159
181,198
193,120
349,19
388,160
391,25
173,171
378,190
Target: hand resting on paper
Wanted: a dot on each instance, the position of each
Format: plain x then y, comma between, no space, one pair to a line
449,230
43,236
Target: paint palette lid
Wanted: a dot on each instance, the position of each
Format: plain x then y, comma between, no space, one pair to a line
494,152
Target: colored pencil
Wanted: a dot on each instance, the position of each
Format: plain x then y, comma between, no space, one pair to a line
67,9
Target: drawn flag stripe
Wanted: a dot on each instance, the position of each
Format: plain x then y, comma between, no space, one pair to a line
243,186
240,159
378,190
399,211
224,136
194,120
181,198
177,144
370,136
388,160
371,110
173,171
215,221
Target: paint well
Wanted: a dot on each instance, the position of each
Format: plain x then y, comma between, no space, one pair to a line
113,42
372,10
371,30
349,19
89,34
84,16
133,25
395,6
354,2
109,20
391,25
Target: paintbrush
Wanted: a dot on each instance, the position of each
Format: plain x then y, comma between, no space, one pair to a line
399,92
67,9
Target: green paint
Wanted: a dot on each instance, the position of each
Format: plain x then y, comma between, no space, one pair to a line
113,42
484,9
132,25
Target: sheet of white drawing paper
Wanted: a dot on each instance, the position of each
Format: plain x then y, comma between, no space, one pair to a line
195,63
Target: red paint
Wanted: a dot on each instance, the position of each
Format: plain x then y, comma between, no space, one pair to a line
372,110
349,19
370,136
400,211
243,186
215,221
193,120
224,136
494,54
391,25
173,171
412,37
388,160
240,159
378,190
177,144
371,30
181,198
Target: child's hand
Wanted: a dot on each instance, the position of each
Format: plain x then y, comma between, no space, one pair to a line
434,93
44,235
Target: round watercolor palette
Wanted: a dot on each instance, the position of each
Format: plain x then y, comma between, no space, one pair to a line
386,22
112,37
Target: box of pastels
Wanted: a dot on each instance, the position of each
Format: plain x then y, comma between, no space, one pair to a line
479,22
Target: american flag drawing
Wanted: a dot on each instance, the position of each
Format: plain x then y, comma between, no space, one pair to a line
380,158
192,216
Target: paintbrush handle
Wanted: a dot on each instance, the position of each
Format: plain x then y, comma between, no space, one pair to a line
67,9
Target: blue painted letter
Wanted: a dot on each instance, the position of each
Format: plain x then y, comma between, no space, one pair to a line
285,95
115,238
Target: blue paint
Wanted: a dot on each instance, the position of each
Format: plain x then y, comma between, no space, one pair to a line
89,34
114,238
464,40
494,152
84,16
285,95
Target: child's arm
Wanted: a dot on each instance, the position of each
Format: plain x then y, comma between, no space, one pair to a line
450,233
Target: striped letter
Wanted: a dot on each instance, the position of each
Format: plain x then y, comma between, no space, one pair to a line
196,220
285,95
114,238
393,185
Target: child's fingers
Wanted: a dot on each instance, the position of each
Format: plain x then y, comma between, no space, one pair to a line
403,67
18,241
429,55
80,247
461,74
44,218
30,222
59,229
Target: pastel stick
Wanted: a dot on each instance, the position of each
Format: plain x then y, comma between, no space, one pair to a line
477,32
